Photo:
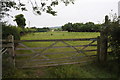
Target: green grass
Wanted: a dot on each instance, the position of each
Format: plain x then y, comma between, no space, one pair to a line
79,71
60,35
85,70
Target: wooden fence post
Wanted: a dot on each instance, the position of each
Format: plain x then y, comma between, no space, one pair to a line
103,47
11,50
104,41
98,48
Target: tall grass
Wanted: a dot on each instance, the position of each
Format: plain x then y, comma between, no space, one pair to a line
86,70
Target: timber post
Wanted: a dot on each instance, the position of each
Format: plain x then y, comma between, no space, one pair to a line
103,47
11,49
98,48
104,41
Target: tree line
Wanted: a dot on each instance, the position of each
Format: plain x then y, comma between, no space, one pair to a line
81,27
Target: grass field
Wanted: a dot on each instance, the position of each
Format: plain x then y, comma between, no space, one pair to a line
60,35
84,70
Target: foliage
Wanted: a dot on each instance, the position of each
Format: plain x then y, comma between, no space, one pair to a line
47,7
6,5
45,29
112,30
114,36
80,27
30,30
20,20
15,31
10,30
38,7
67,27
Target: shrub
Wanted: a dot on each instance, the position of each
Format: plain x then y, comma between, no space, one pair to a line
114,36
11,30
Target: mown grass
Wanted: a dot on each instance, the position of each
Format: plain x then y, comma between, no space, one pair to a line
83,70
60,35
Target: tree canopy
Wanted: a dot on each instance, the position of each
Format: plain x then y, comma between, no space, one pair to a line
20,20
80,27
38,8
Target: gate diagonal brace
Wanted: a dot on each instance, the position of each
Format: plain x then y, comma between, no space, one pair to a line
70,46
86,47
78,51
81,50
26,47
38,54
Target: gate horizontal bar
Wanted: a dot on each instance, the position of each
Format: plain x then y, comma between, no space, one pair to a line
29,67
47,40
77,57
52,62
56,53
51,47
69,52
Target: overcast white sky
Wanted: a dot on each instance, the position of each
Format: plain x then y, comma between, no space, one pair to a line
82,11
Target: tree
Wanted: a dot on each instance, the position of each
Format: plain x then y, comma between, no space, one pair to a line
20,20
67,27
80,27
38,7
44,29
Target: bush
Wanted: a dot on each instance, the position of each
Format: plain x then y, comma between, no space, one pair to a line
114,36
11,30
15,31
